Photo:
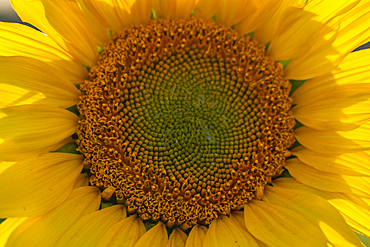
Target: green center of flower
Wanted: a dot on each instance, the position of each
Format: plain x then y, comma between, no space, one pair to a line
184,120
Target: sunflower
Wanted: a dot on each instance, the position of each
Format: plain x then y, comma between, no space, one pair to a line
185,123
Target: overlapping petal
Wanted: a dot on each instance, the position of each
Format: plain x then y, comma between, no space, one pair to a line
45,230
35,185
196,236
350,164
33,129
91,227
156,236
354,209
328,181
338,100
177,238
334,142
125,233
20,40
34,81
225,232
276,225
339,37
317,210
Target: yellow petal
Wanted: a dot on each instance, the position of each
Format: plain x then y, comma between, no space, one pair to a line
317,210
156,236
123,234
328,9
141,10
334,142
5,165
53,224
355,210
205,9
335,112
196,236
91,227
265,33
352,72
350,164
35,185
183,9
279,226
328,181
177,238
340,37
32,129
27,80
109,13
230,12
20,40
264,12
69,23
64,23
297,31
224,232
164,8
100,32
82,180
238,218
300,28
7,227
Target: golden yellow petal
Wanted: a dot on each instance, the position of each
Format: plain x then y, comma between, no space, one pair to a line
264,12
177,238
335,112
5,165
238,218
123,234
53,224
224,232
296,33
276,225
265,33
196,236
328,9
109,13
37,184
100,32
300,28
64,23
33,129
230,12
355,210
205,9
340,37
20,40
90,228
334,142
350,164
82,180
7,227
27,80
68,21
156,236
164,8
352,72
317,210
328,181
183,9
141,10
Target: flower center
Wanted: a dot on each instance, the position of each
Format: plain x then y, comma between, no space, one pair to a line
184,120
